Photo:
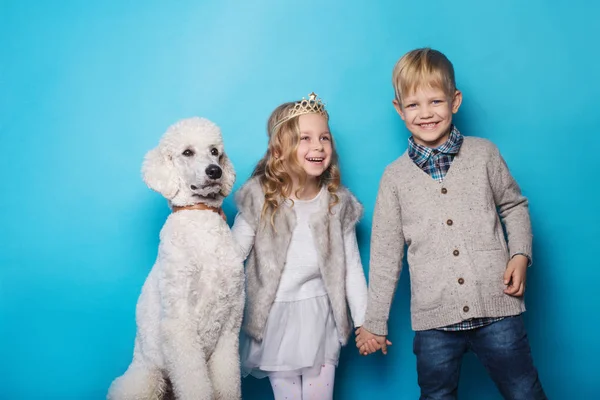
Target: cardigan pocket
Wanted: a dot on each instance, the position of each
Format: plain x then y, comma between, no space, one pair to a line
427,288
490,267
486,232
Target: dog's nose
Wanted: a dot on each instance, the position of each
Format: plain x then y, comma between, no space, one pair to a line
213,171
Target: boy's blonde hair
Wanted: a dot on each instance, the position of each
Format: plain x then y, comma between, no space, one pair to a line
280,162
423,67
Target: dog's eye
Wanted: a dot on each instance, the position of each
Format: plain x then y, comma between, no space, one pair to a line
188,153
214,152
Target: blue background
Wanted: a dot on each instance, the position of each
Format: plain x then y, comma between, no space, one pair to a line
86,88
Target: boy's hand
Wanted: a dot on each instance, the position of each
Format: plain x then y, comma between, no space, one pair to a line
368,343
365,341
370,347
515,275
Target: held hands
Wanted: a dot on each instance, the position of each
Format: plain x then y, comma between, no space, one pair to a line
369,343
515,275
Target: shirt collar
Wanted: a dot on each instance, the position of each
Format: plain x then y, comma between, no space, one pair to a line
420,154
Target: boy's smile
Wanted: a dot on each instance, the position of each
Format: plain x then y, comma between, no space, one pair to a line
427,113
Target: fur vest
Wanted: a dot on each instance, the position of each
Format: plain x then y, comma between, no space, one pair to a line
268,256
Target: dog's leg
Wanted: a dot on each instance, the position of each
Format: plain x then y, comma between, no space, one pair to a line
185,361
224,367
138,382
224,363
182,351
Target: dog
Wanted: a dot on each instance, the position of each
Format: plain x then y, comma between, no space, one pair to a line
190,309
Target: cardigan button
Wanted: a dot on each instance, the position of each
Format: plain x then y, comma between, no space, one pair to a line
449,222
466,308
461,281
456,252
444,190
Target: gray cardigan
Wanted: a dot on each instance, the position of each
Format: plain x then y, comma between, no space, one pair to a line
457,252
265,263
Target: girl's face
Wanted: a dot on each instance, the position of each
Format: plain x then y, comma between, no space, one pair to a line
315,147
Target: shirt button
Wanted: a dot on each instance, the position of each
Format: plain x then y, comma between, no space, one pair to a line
466,308
444,190
456,252
461,281
449,222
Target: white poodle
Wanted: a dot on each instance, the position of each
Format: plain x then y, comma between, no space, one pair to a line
190,310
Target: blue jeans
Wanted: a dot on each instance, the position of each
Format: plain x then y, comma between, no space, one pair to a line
502,347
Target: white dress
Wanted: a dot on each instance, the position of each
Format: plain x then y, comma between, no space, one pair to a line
300,334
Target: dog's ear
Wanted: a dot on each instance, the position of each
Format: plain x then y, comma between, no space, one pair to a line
159,174
228,175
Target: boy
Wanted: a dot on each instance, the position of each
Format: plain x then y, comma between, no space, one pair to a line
443,198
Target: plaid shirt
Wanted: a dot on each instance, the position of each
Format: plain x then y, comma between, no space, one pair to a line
436,163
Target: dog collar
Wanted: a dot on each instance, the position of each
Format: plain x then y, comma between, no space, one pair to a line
199,206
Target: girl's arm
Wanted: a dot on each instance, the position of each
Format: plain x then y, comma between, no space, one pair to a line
243,235
356,284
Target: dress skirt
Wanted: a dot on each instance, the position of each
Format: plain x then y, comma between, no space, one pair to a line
299,337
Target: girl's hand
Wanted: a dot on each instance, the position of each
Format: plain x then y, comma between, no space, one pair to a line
369,343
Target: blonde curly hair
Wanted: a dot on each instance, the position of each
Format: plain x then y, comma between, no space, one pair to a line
280,163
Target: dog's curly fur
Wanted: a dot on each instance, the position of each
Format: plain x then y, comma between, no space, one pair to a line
190,310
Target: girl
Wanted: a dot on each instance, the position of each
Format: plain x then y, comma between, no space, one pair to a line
296,227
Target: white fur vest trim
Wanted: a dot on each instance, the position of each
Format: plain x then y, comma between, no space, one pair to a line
267,258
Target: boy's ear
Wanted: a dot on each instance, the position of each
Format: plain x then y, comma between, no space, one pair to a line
398,108
456,101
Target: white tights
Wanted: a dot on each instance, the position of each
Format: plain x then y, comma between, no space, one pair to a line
305,387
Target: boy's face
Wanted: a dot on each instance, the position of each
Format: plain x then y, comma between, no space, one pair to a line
427,113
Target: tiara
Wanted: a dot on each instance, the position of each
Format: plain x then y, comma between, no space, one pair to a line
312,105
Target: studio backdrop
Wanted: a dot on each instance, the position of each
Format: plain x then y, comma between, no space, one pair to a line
86,88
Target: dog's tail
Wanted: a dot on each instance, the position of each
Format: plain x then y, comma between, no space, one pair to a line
138,382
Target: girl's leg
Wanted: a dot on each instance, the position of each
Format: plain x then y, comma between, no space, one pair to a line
286,388
319,387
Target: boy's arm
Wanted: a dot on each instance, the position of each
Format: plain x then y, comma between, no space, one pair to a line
387,250
512,207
